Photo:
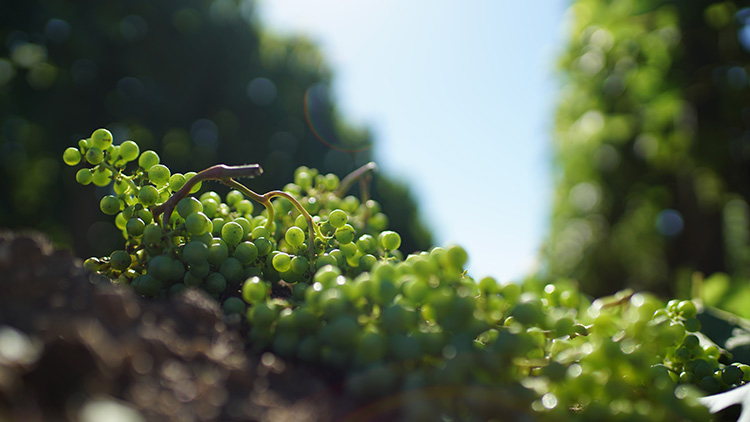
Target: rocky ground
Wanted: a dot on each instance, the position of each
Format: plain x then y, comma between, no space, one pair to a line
75,347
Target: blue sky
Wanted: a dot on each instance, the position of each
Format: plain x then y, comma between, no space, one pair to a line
460,97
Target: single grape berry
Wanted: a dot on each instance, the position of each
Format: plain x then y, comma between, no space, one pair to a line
120,260
198,223
84,176
232,233
282,262
101,177
148,159
135,226
71,156
101,138
344,234
337,218
389,240
94,155
176,181
246,252
148,195
129,151
254,290
187,206
294,236
110,205
159,174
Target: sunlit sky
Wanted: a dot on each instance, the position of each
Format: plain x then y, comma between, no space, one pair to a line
460,98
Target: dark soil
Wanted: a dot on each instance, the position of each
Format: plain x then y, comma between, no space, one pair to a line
73,344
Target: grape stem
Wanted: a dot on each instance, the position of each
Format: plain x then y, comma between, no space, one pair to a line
220,172
352,177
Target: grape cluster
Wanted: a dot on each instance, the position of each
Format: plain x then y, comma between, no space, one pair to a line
319,278
695,359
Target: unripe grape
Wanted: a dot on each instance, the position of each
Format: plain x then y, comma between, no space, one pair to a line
189,175
261,231
232,233
120,260
148,159
389,240
216,283
84,176
337,218
231,269
148,195
264,246
94,155
110,205
233,305
692,325
152,234
686,309
233,197
135,226
195,252
731,374
282,262
159,174
246,227
254,290
344,234
102,177
331,181
161,267
176,181
187,206
71,156
246,252
218,252
101,138
198,224
147,285
244,207
129,151
294,236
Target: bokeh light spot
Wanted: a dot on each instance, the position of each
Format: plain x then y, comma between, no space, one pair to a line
262,91
669,222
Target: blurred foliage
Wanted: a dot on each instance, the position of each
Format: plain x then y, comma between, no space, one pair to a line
198,81
652,145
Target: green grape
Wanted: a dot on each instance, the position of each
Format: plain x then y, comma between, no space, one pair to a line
191,280
120,221
282,262
232,233
260,231
71,156
94,156
389,240
200,270
120,187
732,374
84,176
218,252
264,246
337,218
331,181
692,325
218,224
216,283
378,222
148,195
246,252
161,267
294,236
455,256
176,181
210,195
146,285
152,233
366,261
198,223
246,227
366,244
120,260
345,234
244,207
299,265
146,216
129,151
148,159
255,290
234,197
187,206
195,252
110,205
231,269
233,305
210,207
102,177
101,138
159,175
301,222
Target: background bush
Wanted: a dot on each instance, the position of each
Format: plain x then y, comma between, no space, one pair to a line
652,143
